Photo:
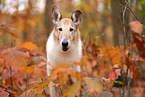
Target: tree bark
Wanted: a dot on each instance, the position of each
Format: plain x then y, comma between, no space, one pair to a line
47,17
117,13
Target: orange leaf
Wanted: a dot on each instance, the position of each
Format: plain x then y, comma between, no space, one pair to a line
29,46
1,61
29,70
13,34
15,59
136,26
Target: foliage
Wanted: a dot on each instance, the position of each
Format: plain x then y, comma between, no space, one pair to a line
106,70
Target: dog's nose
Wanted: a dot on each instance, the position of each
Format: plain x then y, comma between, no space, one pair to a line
64,43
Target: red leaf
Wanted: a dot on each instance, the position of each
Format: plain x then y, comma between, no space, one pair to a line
136,73
138,40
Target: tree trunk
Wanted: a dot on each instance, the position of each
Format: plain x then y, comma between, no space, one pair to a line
117,18
26,26
47,17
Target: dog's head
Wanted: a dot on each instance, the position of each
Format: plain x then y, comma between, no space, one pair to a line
66,30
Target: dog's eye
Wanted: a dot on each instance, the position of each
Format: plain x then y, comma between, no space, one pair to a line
71,29
60,29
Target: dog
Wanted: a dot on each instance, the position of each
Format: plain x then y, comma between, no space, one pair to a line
64,42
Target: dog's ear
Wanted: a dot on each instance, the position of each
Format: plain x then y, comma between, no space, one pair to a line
76,17
56,15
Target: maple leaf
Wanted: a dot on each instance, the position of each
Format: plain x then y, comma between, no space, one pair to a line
16,59
136,26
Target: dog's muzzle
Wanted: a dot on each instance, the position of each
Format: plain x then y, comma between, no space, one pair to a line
64,45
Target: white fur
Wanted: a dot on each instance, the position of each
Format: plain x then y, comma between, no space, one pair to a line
56,56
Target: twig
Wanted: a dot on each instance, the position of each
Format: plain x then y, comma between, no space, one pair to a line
143,19
11,79
99,36
128,5
125,43
124,30
26,85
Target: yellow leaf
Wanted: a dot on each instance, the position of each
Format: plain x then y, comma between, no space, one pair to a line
94,85
29,46
73,89
136,26
42,86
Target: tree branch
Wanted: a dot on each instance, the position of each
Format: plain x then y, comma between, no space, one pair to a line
128,5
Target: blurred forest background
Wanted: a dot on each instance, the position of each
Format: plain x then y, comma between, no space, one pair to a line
112,33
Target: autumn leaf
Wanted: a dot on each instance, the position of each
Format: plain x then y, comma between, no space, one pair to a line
139,41
13,34
30,93
136,26
136,73
1,61
73,89
42,86
114,74
29,46
16,59
29,69
94,85
3,93
113,54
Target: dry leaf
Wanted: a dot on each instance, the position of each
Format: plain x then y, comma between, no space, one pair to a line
94,85
136,26
73,89
16,59
29,46
114,74
3,93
